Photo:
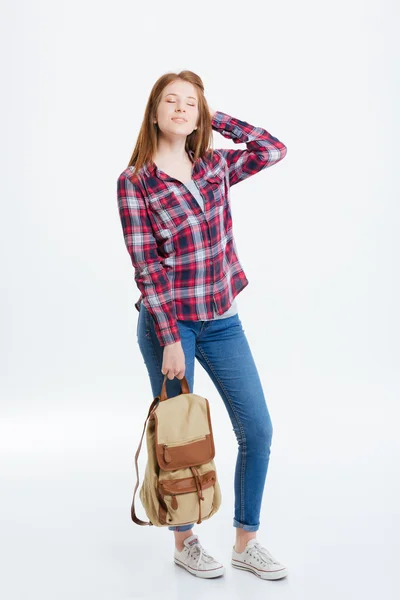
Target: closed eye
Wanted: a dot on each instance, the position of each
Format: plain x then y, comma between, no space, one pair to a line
173,102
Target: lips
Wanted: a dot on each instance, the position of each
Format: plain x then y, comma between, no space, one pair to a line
179,119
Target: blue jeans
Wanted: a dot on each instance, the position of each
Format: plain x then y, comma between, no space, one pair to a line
222,349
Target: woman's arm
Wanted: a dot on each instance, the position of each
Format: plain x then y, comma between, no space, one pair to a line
262,149
150,275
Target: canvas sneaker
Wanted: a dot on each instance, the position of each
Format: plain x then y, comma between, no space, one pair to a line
196,560
258,560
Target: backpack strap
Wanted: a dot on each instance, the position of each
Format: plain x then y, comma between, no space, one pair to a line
161,398
133,513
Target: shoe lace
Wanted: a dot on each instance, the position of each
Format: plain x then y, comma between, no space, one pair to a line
203,555
263,554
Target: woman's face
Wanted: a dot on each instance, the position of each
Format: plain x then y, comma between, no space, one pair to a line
179,99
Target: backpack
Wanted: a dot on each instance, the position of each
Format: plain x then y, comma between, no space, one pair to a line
180,485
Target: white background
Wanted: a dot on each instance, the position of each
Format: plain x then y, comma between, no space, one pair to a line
317,235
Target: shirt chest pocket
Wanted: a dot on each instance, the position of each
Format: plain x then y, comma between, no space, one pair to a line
215,188
168,211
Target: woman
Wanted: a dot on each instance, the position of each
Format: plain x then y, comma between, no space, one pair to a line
174,206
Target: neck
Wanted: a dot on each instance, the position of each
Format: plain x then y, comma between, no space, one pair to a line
171,150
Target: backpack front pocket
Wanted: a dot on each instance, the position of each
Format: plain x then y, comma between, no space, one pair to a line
186,496
189,453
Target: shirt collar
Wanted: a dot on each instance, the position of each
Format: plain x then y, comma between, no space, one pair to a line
152,169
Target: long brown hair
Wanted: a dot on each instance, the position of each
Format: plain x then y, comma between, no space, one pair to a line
199,141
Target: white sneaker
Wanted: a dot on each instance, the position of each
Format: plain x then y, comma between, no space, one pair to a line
196,560
258,560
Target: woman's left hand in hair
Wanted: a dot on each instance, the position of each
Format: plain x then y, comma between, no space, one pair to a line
212,111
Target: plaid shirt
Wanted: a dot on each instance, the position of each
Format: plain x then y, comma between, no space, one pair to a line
185,260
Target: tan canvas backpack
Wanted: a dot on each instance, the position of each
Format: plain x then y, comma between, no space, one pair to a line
180,485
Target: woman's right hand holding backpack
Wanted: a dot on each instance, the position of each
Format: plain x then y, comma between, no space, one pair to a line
173,361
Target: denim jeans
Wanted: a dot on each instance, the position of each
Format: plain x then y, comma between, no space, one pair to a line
221,347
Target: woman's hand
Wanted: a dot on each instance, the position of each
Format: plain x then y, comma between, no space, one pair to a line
212,111
173,361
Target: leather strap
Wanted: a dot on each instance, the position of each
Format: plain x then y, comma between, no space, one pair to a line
133,512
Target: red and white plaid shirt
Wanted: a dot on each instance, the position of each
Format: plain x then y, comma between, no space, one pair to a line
185,259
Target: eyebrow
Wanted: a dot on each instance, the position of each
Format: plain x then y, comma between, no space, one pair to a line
177,95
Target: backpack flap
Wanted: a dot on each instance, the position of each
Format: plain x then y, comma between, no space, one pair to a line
186,485
183,432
